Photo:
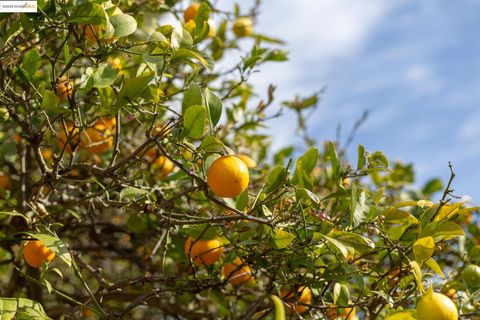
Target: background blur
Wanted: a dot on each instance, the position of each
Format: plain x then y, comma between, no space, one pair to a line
412,64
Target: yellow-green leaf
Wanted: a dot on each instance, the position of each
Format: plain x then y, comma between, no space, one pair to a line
417,273
402,315
279,308
282,238
432,264
423,249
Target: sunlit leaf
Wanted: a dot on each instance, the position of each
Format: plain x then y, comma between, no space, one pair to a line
423,249
282,238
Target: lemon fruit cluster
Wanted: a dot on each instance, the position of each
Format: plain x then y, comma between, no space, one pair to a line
96,139
207,252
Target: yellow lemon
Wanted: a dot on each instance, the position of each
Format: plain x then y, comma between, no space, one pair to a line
436,306
228,176
243,27
203,252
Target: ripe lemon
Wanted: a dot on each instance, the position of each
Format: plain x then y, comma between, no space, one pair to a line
191,25
47,154
436,306
203,252
191,12
228,176
248,161
88,314
346,313
91,30
5,182
164,165
63,89
237,272
304,295
36,253
346,182
96,139
99,138
63,137
116,63
243,27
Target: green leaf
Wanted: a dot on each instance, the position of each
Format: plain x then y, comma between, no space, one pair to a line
442,229
181,38
355,240
417,273
194,121
432,264
155,61
242,200
361,160
31,62
132,88
131,193
377,159
184,55
206,232
21,308
266,212
106,96
359,207
432,186
104,76
276,176
14,30
214,105
203,14
308,196
280,156
14,214
89,13
333,157
281,238
192,97
309,159
397,216
341,294
123,24
423,249
279,308
377,197
211,144
50,102
301,178
342,248
55,244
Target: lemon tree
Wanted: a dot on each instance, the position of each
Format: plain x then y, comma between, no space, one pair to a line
141,170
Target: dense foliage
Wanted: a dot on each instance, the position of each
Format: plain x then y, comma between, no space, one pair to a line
110,122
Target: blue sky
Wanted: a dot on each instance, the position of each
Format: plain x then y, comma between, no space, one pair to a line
414,65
